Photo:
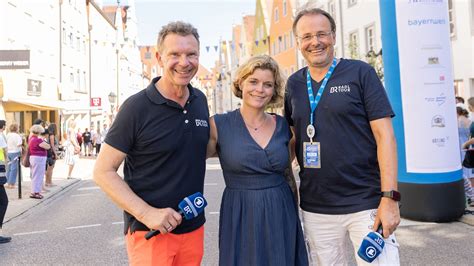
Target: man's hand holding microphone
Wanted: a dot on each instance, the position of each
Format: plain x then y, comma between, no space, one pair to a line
386,222
166,220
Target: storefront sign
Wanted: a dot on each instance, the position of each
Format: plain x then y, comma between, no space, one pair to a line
96,102
14,59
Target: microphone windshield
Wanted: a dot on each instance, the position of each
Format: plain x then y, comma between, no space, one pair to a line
193,205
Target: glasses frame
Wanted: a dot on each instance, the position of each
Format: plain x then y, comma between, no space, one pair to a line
322,35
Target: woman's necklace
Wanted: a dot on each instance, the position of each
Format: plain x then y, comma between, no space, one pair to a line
258,127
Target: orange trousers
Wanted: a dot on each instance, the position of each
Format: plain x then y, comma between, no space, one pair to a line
166,249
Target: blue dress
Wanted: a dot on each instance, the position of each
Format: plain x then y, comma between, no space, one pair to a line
259,224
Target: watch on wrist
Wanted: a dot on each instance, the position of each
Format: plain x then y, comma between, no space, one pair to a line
392,194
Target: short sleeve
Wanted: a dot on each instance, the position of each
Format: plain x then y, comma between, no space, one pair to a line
287,127
123,130
3,143
376,100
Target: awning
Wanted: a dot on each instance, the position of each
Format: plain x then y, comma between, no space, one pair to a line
30,104
27,104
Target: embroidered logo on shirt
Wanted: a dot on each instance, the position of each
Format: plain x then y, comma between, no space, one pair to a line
340,88
201,123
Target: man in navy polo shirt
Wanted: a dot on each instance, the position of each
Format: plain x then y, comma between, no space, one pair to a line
162,134
344,142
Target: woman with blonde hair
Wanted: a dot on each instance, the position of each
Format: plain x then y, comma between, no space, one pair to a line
259,222
38,148
72,147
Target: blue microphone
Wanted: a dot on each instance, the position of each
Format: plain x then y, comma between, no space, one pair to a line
190,207
372,246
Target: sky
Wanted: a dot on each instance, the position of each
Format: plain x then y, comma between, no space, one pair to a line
213,19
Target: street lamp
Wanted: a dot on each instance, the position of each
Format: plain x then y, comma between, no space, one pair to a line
112,98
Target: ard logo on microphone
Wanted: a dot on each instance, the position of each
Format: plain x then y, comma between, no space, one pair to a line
198,202
370,252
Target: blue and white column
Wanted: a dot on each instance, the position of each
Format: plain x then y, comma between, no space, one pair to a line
419,82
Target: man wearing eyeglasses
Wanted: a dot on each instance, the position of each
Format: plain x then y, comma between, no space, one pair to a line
344,143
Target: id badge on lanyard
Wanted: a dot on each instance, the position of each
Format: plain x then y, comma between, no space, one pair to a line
312,150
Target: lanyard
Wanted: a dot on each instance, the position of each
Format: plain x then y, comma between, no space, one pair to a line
314,101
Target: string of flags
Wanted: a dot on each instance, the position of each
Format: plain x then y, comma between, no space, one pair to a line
232,45
209,48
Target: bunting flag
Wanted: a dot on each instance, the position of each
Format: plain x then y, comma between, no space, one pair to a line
215,47
240,44
265,41
232,45
207,48
95,42
256,42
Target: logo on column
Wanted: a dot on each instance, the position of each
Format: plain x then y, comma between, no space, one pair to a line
438,121
440,142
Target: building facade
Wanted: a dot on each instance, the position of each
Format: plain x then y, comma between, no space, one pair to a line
64,60
103,60
29,62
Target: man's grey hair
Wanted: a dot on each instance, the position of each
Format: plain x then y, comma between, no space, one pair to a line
176,27
309,10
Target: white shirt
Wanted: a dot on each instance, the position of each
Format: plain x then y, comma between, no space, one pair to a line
3,143
104,134
14,142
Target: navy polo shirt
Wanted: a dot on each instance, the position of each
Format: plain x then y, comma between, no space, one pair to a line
349,178
166,150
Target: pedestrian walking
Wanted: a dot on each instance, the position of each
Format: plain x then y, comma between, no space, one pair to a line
258,206
162,134
97,141
14,142
79,139
72,148
345,146
38,154
87,139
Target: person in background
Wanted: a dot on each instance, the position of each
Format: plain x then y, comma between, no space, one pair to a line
37,121
3,180
38,154
464,125
97,141
87,139
92,146
79,140
52,154
72,147
345,144
14,142
257,206
459,99
470,107
104,132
